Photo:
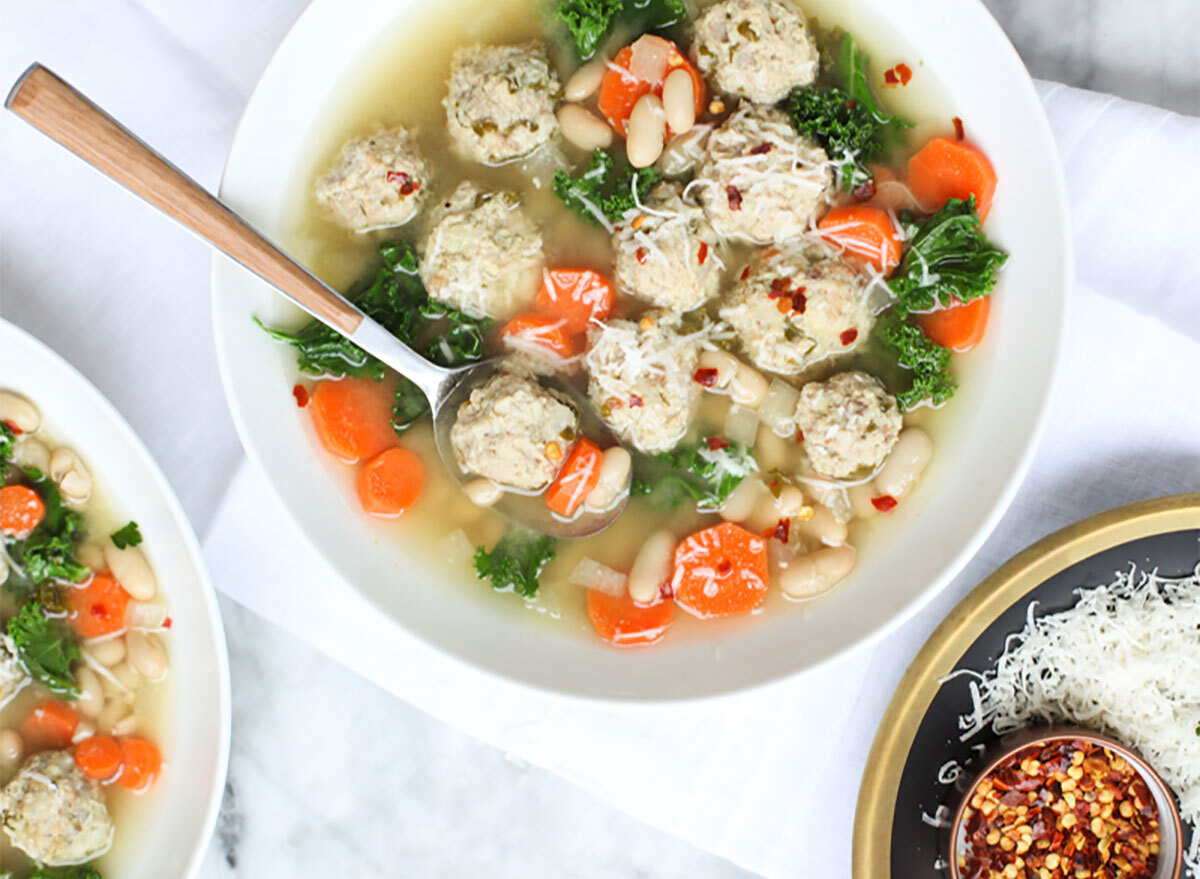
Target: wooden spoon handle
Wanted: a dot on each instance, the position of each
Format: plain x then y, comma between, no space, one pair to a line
66,116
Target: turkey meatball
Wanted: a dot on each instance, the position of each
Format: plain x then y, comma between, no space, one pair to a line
757,49
667,255
482,254
500,105
640,379
796,305
53,813
378,182
514,431
760,180
850,423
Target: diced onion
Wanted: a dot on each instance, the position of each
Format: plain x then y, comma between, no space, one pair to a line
649,59
590,574
741,425
778,411
145,615
456,547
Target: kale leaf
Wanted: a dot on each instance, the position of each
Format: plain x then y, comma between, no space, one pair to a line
7,437
929,362
600,188
127,535
49,552
515,563
590,21
706,475
77,871
948,258
45,648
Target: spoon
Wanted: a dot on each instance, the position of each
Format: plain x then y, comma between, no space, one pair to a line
66,116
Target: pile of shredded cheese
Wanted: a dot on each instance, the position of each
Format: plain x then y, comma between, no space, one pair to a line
1124,660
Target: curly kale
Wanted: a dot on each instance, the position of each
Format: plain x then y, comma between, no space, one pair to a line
601,188
7,438
516,562
591,21
45,649
929,362
707,473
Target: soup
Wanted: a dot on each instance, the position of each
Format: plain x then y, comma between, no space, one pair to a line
763,280
83,664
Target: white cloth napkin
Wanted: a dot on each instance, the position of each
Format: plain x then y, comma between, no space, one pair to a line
768,779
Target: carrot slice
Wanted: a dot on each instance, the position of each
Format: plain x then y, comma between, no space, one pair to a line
390,483
946,168
576,479
49,726
97,608
98,757
959,327
141,761
621,620
543,334
865,231
353,417
720,571
21,510
620,89
578,296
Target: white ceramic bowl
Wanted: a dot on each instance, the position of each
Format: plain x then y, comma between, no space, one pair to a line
999,416
195,741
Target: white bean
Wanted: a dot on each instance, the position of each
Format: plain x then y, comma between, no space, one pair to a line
3,569
127,725
91,692
860,500
12,747
817,572
127,674
748,387
679,101
904,465
772,451
742,500
790,502
114,712
72,476
652,567
585,80
824,527
108,653
645,131
28,452
85,729
483,492
584,128
131,570
723,363
614,479
146,655
19,412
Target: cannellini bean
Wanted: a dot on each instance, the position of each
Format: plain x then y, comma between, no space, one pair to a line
108,653
748,386
905,464
725,365
645,131
72,476
614,478
90,554
114,712
3,569
790,502
127,725
823,526
91,692
817,572
19,412
584,81
131,570
29,452
12,747
679,100
860,500
772,451
652,567
742,500
483,492
146,655
584,128
127,673
85,729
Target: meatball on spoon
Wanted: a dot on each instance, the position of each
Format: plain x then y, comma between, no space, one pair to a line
67,117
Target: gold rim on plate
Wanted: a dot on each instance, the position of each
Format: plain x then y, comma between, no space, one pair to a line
871,857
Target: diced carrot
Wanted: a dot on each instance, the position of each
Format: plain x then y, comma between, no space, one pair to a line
353,417
543,333
578,296
97,608
945,169
21,510
959,327
390,483
720,571
98,757
621,620
576,479
141,761
49,726
865,231
619,91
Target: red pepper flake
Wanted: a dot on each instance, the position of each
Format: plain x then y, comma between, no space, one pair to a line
890,78
641,255
635,401
848,337
780,284
407,185
799,301
785,304
725,568
884,503
761,150
799,435
745,273
301,394
734,196
168,622
16,430
898,75
705,376
703,254
959,133
851,104
716,443
866,191
781,531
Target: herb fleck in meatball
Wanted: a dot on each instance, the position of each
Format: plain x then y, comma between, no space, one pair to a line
379,181
850,423
757,49
53,813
